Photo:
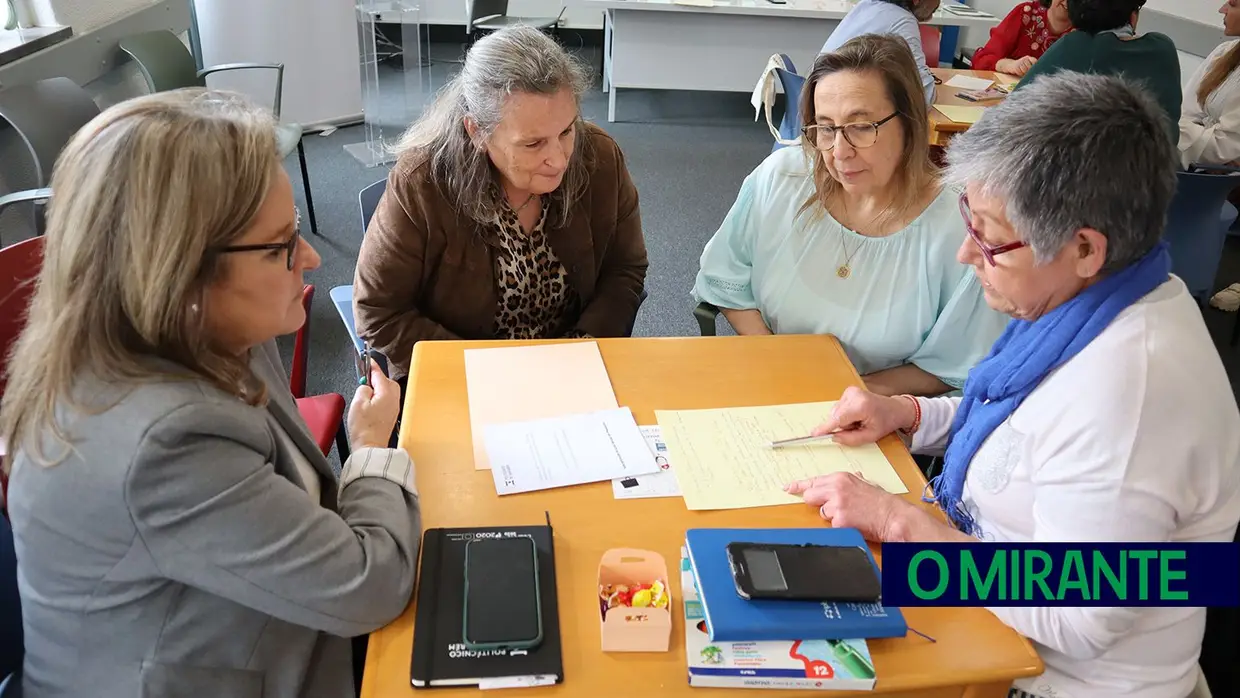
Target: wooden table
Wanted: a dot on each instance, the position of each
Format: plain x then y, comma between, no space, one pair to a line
975,654
941,127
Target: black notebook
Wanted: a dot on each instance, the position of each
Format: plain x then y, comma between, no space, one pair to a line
440,657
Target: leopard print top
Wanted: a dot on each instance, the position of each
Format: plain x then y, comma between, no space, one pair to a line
536,301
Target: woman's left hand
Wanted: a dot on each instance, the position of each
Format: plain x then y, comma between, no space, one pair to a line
847,501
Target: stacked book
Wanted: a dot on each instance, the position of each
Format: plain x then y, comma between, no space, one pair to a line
737,643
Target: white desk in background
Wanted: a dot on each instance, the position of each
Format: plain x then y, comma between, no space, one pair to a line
662,45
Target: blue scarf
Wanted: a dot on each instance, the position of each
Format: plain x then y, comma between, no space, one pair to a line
1026,353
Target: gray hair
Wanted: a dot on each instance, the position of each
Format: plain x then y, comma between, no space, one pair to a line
517,59
1072,151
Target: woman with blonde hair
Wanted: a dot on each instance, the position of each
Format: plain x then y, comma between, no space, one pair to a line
506,216
1210,121
852,235
1210,116
178,532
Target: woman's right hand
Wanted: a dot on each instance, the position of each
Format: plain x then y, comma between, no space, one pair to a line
861,417
372,416
1018,66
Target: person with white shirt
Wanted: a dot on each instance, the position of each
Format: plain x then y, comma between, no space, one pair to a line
1210,113
899,17
1210,121
1102,414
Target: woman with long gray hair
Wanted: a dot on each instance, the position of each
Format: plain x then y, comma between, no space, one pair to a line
1103,412
506,216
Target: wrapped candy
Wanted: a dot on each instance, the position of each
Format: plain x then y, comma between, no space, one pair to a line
649,595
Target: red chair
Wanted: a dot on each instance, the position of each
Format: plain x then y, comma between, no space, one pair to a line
19,265
931,39
323,414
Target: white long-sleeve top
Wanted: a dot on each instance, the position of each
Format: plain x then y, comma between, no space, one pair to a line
1136,438
1210,132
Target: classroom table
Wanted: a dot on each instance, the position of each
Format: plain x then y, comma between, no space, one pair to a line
670,45
941,127
975,655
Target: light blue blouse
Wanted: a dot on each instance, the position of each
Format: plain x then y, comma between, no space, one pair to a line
906,300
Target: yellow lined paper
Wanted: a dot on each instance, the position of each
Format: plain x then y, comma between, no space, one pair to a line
724,460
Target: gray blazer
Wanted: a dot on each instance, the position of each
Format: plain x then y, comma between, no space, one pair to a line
176,553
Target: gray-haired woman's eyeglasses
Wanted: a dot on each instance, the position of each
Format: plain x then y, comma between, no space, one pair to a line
289,246
861,134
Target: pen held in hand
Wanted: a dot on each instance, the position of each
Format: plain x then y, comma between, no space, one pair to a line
824,438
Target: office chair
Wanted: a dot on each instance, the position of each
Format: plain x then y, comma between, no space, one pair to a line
37,197
790,123
323,414
492,15
167,64
44,114
1194,229
342,296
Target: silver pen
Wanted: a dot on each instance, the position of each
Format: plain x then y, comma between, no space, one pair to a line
805,440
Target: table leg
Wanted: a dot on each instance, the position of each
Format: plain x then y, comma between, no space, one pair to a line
611,104
606,50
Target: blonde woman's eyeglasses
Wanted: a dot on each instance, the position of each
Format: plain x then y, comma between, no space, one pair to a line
861,134
289,246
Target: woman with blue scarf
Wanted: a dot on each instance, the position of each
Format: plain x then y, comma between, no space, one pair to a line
1103,412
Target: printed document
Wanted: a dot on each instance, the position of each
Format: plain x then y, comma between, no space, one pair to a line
562,451
660,484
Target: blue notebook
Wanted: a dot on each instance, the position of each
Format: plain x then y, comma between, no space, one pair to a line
730,618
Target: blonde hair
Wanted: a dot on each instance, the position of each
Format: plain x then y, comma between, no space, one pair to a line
144,196
1222,66
519,59
890,58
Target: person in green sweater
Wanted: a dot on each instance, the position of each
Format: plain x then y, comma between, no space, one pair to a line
1105,42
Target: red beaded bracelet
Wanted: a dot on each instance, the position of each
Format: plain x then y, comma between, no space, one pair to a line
916,416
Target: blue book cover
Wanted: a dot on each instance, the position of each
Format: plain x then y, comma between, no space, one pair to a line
730,618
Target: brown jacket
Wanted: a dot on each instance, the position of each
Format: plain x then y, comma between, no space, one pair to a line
426,271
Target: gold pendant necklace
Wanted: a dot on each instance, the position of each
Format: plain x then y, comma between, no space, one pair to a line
845,270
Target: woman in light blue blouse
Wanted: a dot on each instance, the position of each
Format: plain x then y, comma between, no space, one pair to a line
852,234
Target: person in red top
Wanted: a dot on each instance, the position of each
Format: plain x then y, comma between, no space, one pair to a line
1023,36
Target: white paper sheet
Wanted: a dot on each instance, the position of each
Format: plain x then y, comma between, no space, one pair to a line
968,82
517,682
561,451
660,484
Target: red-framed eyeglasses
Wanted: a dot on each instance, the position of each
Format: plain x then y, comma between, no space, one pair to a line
988,251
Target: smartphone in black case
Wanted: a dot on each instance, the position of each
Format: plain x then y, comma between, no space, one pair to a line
803,572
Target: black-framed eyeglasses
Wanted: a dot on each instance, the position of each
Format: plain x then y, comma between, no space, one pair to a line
988,251
289,246
861,134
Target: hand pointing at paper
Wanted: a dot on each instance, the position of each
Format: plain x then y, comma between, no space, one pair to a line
848,501
861,417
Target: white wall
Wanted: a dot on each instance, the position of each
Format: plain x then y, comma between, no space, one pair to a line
1204,11
316,40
